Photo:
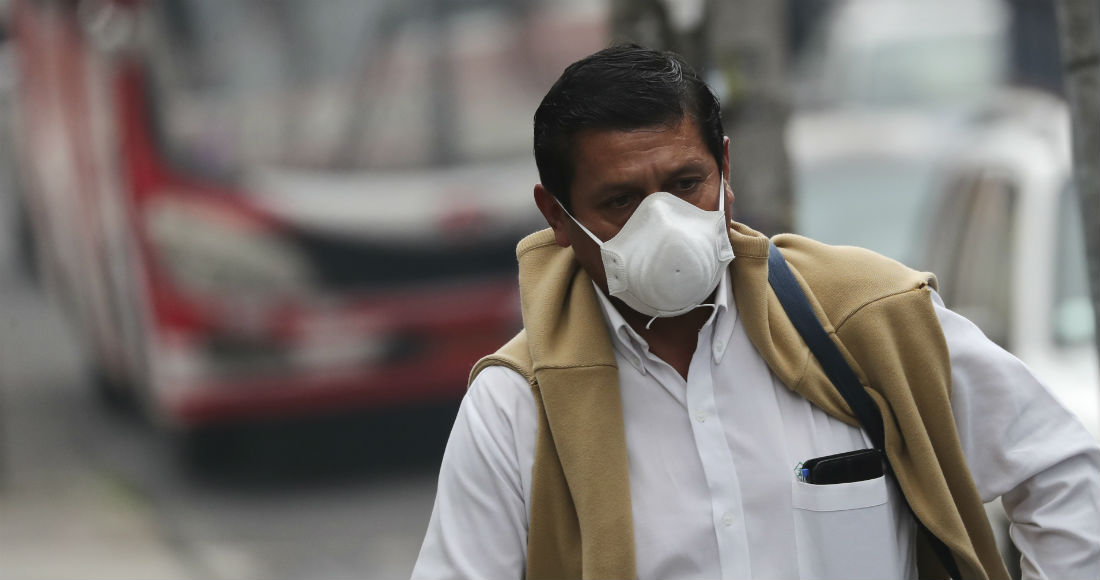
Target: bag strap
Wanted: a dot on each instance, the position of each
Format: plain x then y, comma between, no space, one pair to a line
825,350
801,314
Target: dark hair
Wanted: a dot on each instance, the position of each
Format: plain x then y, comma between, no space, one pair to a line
620,88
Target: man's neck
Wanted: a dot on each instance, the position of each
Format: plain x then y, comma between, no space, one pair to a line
673,338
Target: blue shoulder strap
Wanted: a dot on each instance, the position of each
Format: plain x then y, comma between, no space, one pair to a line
842,376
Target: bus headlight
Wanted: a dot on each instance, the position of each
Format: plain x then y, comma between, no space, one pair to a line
211,251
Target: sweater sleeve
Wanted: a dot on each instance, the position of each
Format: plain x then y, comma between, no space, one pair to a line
478,527
1025,447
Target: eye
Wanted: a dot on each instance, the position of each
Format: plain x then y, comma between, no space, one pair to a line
686,185
620,201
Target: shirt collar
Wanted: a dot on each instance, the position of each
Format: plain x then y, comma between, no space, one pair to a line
631,346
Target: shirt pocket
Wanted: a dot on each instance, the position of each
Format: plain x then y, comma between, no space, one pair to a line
847,530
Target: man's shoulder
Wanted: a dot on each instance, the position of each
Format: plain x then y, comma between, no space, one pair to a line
843,279
514,355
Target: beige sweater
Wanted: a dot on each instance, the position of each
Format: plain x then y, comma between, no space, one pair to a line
879,313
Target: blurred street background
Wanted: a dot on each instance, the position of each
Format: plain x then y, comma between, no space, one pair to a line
250,249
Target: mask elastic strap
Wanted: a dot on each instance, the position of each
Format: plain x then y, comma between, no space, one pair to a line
721,192
651,320
576,221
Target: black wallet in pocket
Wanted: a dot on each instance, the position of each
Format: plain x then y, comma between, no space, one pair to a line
848,467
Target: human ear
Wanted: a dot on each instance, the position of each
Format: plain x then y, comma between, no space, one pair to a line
554,214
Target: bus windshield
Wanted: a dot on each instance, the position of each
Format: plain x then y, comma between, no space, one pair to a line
351,85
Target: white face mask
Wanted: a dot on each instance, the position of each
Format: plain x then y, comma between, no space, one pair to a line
668,257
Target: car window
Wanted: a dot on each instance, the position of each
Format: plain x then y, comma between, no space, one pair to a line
1073,312
947,226
971,251
873,202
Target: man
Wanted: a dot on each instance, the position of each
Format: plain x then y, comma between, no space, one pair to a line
649,420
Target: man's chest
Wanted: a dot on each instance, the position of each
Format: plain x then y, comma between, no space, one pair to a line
712,475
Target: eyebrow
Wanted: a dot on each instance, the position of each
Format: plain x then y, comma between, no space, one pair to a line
695,165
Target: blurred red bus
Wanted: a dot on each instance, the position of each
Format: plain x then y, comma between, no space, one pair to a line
263,208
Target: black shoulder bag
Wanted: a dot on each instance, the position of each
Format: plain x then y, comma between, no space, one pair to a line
842,376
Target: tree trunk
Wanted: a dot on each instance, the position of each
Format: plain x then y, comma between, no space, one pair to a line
748,48
1079,30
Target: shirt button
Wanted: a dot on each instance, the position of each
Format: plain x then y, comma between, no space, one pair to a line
701,417
727,519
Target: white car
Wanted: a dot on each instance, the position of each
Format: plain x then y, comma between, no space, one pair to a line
1007,244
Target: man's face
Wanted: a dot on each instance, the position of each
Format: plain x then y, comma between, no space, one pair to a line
615,170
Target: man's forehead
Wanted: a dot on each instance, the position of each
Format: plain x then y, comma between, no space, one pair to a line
686,125
603,153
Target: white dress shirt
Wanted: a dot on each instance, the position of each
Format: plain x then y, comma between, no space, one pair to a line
712,468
